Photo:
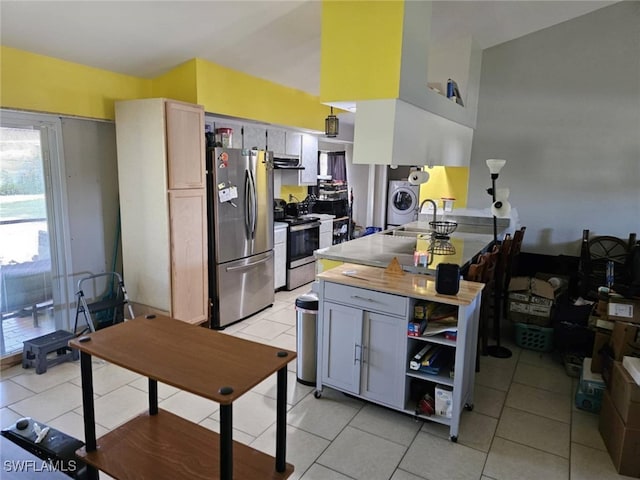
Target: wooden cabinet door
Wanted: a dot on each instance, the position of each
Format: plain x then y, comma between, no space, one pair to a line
185,145
188,247
341,347
383,359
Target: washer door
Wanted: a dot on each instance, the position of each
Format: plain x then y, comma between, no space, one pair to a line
404,201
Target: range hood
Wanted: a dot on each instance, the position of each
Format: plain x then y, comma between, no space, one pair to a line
286,161
395,132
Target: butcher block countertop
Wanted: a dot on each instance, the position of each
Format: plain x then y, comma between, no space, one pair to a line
422,287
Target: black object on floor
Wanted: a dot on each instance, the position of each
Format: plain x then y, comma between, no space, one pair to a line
35,351
56,447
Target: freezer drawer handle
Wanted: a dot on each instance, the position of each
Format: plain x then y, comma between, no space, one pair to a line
244,267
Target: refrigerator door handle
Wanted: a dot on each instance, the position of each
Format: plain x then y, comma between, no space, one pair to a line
254,205
247,199
251,264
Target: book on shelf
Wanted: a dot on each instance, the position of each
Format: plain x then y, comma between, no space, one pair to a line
454,92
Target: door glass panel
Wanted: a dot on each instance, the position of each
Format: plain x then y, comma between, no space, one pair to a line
26,298
403,201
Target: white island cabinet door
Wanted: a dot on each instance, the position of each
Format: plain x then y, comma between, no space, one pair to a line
342,347
383,359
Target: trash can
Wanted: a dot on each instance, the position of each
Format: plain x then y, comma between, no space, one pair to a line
306,341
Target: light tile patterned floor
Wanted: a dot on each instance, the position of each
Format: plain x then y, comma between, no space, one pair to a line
523,425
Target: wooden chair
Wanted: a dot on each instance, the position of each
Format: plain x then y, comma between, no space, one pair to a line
511,267
484,271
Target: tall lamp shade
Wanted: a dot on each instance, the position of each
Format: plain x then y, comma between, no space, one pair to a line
500,207
495,165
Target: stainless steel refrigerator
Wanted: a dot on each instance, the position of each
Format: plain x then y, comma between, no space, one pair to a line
240,221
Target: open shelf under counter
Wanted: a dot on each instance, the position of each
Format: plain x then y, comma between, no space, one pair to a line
146,447
439,339
443,378
432,418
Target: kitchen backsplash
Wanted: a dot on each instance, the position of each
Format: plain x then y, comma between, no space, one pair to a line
285,190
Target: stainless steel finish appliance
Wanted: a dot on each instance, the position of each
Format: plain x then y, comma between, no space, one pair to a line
240,221
303,238
338,207
281,160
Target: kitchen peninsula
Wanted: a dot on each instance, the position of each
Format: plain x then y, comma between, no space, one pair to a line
379,249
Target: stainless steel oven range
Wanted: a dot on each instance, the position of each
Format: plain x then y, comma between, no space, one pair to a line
303,238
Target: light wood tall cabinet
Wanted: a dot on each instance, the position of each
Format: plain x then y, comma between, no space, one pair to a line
161,175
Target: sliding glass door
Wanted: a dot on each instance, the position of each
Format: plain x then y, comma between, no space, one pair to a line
34,297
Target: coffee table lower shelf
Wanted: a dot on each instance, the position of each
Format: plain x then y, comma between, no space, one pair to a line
166,446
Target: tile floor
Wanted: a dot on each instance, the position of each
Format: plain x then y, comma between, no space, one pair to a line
523,426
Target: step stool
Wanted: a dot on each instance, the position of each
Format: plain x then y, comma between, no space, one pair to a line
35,351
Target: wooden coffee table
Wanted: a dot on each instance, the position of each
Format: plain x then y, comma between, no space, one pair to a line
161,445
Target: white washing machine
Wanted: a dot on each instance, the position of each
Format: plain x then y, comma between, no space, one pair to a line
402,202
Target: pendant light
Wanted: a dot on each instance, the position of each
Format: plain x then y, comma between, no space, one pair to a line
331,125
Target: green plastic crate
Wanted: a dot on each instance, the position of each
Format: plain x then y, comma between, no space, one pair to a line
533,337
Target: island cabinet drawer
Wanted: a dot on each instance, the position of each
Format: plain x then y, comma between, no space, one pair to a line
366,299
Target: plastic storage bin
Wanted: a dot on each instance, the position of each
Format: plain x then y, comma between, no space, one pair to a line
533,337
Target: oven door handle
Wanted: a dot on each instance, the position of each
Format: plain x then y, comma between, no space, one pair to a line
304,226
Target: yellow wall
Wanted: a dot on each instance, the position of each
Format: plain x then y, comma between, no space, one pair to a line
299,192
230,92
46,84
178,83
361,50
449,182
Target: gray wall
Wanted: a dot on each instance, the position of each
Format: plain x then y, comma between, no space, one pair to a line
92,191
562,106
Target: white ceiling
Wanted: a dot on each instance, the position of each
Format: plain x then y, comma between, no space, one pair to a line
270,39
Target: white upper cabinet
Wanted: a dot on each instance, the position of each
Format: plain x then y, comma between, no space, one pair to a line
254,136
277,140
309,176
293,143
393,132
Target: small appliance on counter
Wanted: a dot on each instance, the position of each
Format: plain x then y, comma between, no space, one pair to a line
338,207
279,206
296,209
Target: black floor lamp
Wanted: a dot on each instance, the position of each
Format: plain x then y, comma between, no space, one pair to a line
500,207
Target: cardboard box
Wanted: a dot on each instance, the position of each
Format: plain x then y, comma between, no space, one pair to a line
625,394
625,340
622,443
416,328
444,401
531,299
600,340
623,309
632,366
591,383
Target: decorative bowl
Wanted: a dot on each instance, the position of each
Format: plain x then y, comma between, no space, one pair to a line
443,228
